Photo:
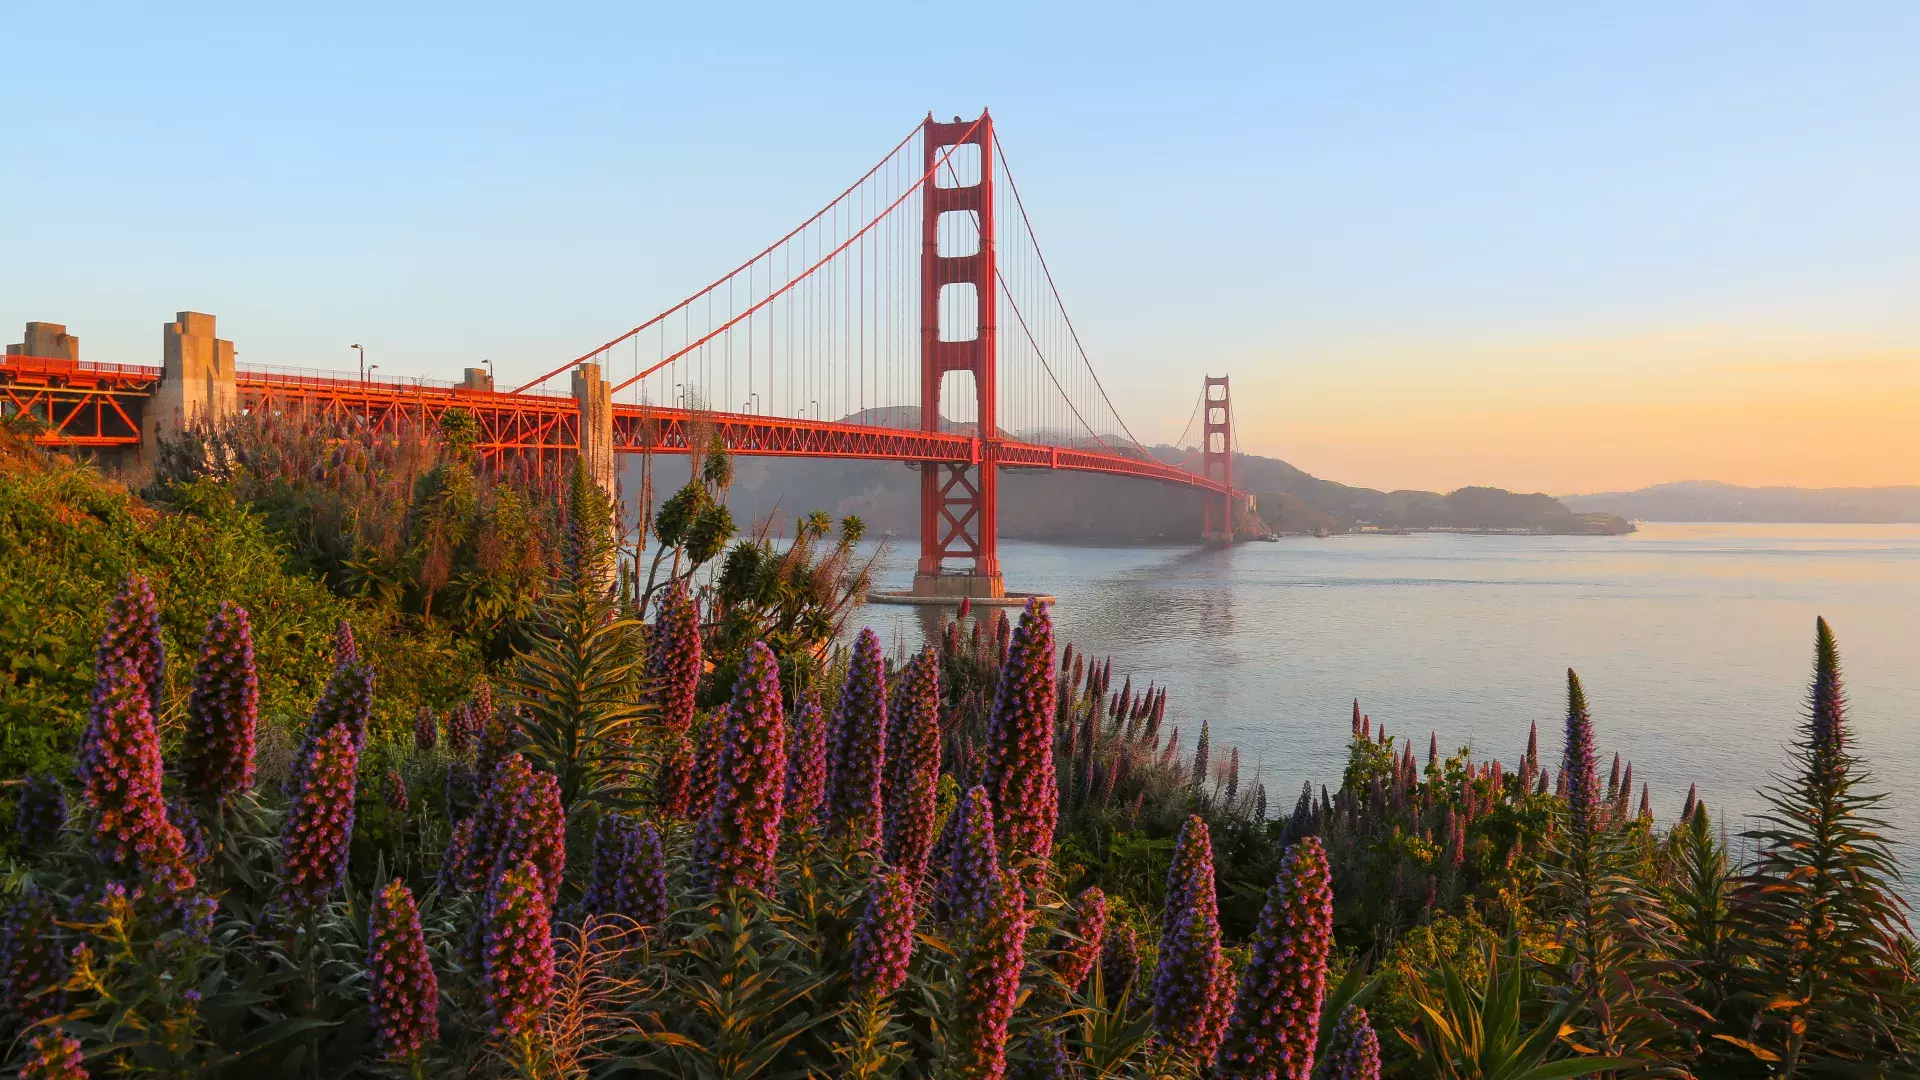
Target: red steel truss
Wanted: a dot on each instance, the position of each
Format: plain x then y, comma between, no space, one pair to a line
92,406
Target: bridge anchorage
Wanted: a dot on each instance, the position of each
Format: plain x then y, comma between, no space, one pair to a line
913,319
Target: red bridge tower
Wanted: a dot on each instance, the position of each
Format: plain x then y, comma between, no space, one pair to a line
959,503
1216,459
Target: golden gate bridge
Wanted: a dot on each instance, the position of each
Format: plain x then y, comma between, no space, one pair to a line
915,310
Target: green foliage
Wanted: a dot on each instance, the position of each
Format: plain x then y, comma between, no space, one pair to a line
1482,1030
72,536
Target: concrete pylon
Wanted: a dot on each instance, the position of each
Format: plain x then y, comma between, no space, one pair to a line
196,381
49,341
590,391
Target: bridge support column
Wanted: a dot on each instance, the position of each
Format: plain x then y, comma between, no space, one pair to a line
596,430
1216,459
196,382
959,504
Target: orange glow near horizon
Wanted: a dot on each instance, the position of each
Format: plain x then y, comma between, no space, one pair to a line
1579,417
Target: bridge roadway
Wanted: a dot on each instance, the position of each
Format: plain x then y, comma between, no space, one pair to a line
99,406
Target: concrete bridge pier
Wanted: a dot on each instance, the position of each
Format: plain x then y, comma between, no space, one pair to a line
196,382
595,401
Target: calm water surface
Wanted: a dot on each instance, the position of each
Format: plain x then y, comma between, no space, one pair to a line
1694,643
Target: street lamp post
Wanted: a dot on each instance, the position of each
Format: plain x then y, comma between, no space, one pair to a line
490,374
363,360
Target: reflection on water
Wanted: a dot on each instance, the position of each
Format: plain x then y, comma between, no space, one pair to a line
1694,642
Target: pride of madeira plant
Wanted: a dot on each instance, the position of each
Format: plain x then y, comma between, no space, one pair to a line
717,845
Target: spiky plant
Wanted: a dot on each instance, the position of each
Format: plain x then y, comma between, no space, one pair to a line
426,729
972,879
121,773
807,762
518,957
913,768
318,834
1820,903
1020,766
571,686
131,639
640,891
1187,982
990,965
346,700
32,964
1353,1048
1276,1015
1120,964
741,834
222,711
883,943
536,834
858,757
674,660
1077,945
1613,936
1471,1030
403,993
39,812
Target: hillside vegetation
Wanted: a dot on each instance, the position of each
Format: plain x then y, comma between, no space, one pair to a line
686,823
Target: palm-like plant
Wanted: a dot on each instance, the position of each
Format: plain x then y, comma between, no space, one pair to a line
1829,975
1484,1033
575,684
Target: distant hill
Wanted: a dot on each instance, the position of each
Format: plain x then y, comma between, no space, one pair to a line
1707,500
1041,504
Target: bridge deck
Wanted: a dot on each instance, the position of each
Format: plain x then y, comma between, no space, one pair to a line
90,405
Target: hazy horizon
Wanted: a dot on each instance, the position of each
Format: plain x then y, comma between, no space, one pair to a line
1541,250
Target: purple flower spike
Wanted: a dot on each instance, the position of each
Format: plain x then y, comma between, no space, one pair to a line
537,834
914,769
319,828
131,639
884,941
457,857
396,792
972,880
40,812
53,1057
673,781
32,963
518,951
1019,769
347,700
222,710
1276,1018
807,763
641,890
990,984
1046,1058
1353,1047
120,769
1826,701
500,804
345,651
425,730
611,840
1578,768
674,660
703,768
859,752
462,726
403,992
1119,962
740,836
1188,978
1077,946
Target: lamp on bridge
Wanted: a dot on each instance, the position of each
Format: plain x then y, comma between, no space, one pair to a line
363,360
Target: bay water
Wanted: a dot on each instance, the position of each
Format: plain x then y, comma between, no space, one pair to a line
1694,643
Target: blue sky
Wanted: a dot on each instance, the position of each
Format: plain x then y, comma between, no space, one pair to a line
1510,244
